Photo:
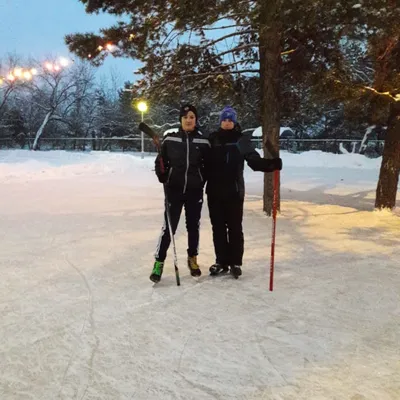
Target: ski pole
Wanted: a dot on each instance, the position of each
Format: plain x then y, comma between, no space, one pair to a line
178,281
274,212
156,140
274,153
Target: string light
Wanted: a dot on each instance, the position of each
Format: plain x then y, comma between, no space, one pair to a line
27,75
17,72
64,62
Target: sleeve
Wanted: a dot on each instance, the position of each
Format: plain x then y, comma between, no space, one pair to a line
206,167
162,164
254,160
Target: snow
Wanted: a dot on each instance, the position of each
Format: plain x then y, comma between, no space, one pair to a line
368,131
26,165
171,130
79,318
258,131
342,149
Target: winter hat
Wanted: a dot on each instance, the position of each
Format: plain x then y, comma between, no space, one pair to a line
185,109
228,113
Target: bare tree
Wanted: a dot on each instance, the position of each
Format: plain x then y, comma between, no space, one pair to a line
59,92
8,81
78,112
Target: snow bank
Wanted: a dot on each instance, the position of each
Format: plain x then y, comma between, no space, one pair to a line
27,164
319,159
258,131
65,164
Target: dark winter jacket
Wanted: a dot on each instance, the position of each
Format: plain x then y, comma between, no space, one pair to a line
185,156
229,149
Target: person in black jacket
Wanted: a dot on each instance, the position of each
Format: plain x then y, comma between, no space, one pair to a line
226,190
184,154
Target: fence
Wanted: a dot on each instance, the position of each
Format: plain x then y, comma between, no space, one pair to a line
81,144
132,144
374,148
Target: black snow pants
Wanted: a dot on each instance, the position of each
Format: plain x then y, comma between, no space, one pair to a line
226,215
192,201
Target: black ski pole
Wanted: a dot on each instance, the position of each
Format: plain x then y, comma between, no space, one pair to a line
156,140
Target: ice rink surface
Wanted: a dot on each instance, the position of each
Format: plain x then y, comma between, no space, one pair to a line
80,319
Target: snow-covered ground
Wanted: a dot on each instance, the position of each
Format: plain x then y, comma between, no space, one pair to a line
79,318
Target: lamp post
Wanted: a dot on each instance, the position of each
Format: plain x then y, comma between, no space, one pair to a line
142,107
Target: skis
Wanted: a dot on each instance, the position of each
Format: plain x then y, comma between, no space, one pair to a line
156,140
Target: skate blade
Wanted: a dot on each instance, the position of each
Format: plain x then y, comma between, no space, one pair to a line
223,273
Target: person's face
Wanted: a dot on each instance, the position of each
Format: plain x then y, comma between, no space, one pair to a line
189,121
227,124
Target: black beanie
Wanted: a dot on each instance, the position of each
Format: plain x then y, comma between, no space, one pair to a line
185,109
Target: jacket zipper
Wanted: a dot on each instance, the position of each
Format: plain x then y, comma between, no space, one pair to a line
169,174
187,161
201,176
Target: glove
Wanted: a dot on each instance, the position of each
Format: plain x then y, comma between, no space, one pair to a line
162,176
277,164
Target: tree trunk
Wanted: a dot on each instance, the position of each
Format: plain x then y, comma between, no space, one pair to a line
9,90
364,143
270,66
386,191
40,130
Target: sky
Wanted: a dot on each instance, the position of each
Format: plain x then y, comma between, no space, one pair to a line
36,28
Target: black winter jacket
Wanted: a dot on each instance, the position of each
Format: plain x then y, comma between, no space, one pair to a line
185,155
229,149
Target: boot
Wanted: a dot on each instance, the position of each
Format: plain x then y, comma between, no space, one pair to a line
157,271
217,269
236,271
193,266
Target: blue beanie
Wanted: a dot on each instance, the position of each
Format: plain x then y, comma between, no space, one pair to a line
228,113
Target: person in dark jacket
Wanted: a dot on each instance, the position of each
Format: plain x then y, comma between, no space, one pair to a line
184,155
226,190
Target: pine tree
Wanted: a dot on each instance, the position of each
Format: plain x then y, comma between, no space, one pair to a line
303,39
370,74
170,38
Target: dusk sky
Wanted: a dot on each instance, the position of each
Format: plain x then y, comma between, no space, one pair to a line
36,28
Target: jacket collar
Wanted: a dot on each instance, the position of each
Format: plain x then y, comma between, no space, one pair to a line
229,135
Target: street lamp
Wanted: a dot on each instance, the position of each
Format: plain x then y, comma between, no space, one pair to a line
142,107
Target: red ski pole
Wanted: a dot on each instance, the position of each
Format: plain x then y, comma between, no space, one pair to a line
274,212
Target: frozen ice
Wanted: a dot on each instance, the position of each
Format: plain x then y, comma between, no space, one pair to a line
80,318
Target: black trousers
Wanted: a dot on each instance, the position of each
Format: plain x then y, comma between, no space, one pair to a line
226,215
192,201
